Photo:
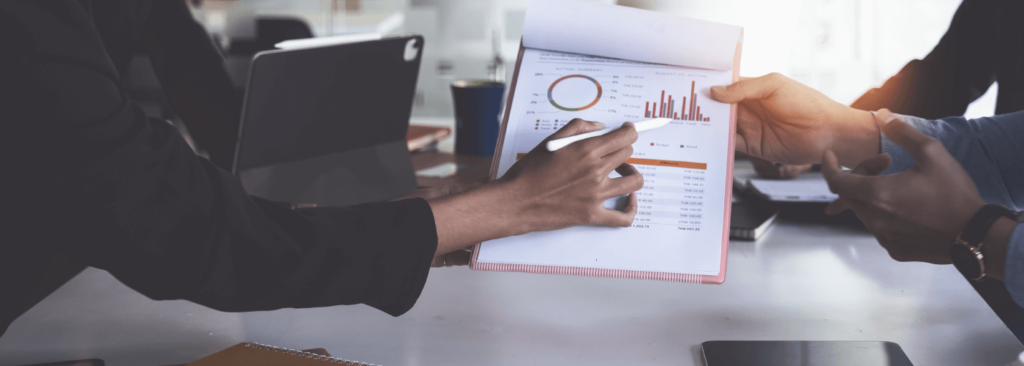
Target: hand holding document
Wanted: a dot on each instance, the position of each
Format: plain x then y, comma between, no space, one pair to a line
615,64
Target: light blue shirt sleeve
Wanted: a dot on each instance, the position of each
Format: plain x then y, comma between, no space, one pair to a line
991,150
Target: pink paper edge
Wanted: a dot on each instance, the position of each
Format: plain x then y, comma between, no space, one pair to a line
590,272
621,273
720,278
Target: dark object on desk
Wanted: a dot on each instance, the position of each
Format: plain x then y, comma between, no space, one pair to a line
803,353
477,116
255,354
89,362
311,351
271,31
420,136
751,220
328,125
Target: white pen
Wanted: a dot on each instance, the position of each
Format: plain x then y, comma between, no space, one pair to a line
640,127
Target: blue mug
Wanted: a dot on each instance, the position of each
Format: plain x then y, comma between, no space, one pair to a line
477,116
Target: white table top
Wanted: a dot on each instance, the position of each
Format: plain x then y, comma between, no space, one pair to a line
799,282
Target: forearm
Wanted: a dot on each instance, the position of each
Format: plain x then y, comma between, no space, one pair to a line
856,136
488,212
988,149
173,226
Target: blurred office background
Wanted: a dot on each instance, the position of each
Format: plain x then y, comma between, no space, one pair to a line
840,47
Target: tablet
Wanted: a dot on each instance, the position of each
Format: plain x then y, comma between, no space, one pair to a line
803,353
327,125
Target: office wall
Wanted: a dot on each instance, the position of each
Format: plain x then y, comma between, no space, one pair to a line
840,47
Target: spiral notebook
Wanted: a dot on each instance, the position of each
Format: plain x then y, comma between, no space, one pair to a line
255,354
613,64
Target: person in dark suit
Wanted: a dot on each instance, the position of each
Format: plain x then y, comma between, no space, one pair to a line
983,45
90,180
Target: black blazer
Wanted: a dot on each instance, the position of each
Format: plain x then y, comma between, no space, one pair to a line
89,180
984,44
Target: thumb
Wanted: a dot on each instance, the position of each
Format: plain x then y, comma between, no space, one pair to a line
846,185
915,143
749,88
836,207
873,166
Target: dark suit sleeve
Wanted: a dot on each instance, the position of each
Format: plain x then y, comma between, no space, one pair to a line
193,77
124,193
956,72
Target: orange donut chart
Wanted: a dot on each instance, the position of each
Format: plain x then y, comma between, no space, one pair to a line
552,88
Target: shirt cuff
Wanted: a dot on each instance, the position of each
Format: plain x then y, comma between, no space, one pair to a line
901,160
1013,277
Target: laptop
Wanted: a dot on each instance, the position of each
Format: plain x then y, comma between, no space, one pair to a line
327,125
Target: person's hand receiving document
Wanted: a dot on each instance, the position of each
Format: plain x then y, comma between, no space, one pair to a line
915,214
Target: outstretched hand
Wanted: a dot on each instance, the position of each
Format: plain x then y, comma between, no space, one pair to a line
783,121
915,214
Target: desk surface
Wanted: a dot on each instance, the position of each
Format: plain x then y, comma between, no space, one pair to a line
472,169
799,282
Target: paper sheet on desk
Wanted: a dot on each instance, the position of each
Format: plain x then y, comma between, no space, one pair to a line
808,187
638,35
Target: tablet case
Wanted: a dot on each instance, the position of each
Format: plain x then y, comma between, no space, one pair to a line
256,354
328,125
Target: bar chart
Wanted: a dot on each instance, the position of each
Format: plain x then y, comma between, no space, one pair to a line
667,108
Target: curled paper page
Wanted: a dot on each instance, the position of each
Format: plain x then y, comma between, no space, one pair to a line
583,27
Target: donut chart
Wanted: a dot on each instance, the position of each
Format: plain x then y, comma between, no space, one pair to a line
551,90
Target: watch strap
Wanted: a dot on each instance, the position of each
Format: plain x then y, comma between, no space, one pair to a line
968,260
978,226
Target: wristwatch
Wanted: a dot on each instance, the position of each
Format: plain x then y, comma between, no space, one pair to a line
966,250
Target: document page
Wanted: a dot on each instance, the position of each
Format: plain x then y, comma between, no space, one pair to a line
590,28
679,225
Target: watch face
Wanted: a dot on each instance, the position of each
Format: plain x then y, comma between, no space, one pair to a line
965,261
